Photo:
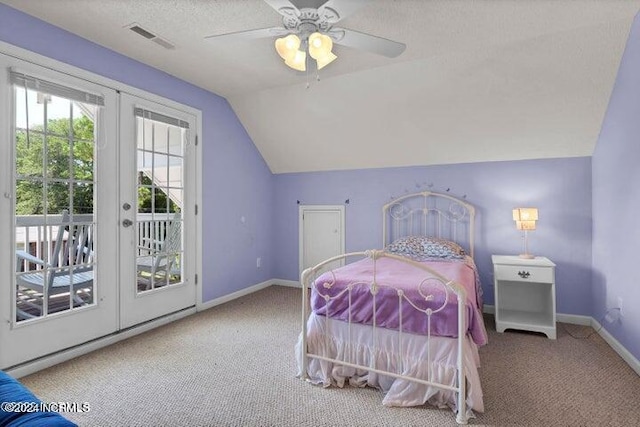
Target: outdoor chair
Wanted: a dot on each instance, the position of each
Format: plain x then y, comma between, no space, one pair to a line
162,255
67,269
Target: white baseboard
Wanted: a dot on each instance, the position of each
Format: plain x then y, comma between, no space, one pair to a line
29,368
236,295
489,309
287,283
616,346
576,319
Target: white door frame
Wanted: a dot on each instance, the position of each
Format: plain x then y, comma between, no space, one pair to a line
317,208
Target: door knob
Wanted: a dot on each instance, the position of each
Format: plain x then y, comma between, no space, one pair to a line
127,223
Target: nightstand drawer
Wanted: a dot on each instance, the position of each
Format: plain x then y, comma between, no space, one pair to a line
522,273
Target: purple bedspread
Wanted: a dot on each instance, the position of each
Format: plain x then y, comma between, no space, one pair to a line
392,274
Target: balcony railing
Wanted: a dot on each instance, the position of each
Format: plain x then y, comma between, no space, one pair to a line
36,235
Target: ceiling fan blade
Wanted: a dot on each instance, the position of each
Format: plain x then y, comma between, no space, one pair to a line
260,33
368,42
284,7
335,10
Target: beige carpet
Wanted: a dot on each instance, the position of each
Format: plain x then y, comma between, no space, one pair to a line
233,365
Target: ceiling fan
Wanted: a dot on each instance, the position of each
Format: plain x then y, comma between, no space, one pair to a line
309,24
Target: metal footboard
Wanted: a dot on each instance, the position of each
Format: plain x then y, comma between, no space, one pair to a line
423,305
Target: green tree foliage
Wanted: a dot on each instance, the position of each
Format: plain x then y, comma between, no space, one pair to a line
64,160
64,163
145,195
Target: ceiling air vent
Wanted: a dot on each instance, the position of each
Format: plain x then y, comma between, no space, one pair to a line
136,28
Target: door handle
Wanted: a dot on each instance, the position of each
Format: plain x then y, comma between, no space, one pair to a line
127,223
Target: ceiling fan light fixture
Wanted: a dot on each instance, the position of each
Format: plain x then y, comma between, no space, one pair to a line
325,60
287,47
309,30
320,45
298,61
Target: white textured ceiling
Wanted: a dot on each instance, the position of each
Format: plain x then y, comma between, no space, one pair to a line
480,80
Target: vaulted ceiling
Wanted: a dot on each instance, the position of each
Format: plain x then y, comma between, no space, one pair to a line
479,80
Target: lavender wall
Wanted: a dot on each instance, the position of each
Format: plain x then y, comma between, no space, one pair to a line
559,188
616,202
236,181
237,184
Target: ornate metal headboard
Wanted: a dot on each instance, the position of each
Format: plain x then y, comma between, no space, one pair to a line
429,214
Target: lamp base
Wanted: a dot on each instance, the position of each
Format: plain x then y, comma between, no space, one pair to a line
527,256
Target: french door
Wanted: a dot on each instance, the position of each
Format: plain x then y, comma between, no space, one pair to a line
157,210
57,213
97,211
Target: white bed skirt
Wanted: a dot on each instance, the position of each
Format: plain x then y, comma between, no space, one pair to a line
331,339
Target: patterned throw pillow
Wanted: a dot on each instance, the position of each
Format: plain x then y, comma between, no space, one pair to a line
442,248
422,247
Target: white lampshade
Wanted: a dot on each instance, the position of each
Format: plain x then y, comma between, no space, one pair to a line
288,46
320,46
526,225
298,61
525,214
326,60
525,218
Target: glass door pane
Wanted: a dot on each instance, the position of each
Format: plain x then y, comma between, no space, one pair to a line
160,159
54,146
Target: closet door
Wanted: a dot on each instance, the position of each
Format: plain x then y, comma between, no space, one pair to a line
156,210
321,234
58,211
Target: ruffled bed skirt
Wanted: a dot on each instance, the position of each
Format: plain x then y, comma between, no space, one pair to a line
407,357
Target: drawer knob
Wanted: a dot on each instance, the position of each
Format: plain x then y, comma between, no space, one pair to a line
523,274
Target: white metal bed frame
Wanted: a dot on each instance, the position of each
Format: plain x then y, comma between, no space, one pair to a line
430,214
425,214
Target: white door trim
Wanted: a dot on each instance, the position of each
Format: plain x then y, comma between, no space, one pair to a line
315,208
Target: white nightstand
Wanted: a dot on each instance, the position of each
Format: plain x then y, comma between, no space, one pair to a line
525,294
